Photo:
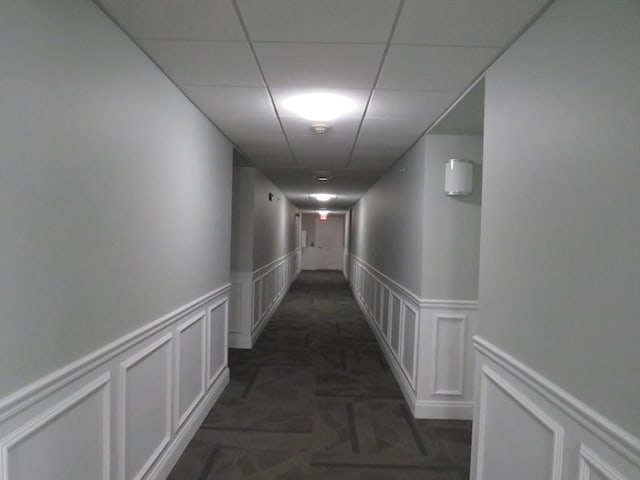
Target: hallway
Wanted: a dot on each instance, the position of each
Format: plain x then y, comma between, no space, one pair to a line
315,399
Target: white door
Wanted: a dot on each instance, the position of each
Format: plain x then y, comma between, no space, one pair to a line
329,238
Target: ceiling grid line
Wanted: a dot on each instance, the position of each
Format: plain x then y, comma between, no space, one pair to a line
376,79
264,79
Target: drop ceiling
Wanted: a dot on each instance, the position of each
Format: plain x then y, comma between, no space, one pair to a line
402,62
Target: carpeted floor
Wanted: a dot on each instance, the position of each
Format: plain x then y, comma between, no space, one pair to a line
315,399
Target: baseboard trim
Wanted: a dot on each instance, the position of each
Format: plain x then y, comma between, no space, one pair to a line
176,447
452,410
239,340
611,434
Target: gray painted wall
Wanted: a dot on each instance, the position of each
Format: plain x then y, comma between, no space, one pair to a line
451,224
387,230
115,192
560,249
406,227
263,230
242,219
274,223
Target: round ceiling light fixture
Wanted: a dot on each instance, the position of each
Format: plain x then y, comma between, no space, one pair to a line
322,197
320,106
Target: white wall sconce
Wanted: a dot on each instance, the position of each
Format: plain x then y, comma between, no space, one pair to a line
458,177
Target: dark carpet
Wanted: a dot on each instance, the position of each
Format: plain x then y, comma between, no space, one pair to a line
315,399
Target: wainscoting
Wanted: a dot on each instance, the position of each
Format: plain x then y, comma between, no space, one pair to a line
428,343
256,295
529,428
126,411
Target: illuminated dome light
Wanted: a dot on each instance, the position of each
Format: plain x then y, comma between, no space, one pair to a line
320,107
322,197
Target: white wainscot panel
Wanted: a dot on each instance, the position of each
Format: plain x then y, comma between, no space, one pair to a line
217,346
69,441
235,299
384,322
593,467
449,351
409,339
517,439
145,422
190,371
394,339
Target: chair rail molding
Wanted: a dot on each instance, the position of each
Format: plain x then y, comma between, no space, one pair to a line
96,402
427,342
584,445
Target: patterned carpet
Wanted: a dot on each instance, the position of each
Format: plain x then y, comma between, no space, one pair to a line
316,400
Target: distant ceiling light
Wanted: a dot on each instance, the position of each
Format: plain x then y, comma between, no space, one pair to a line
324,213
320,128
323,197
320,107
322,175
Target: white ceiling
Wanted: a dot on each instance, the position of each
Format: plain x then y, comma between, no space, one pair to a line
403,62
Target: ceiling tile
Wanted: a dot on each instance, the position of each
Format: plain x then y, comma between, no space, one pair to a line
319,66
245,131
449,69
466,117
340,21
364,157
421,106
388,133
462,22
172,20
222,102
205,63
265,157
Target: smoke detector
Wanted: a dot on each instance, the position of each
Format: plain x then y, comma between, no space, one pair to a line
320,128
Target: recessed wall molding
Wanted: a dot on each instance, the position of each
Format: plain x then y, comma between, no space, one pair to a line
450,336
435,372
590,462
35,426
193,331
97,391
584,444
598,425
533,411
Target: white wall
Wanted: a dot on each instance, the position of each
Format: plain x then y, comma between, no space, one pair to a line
115,203
274,223
451,224
242,227
387,229
264,253
414,269
560,256
108,178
